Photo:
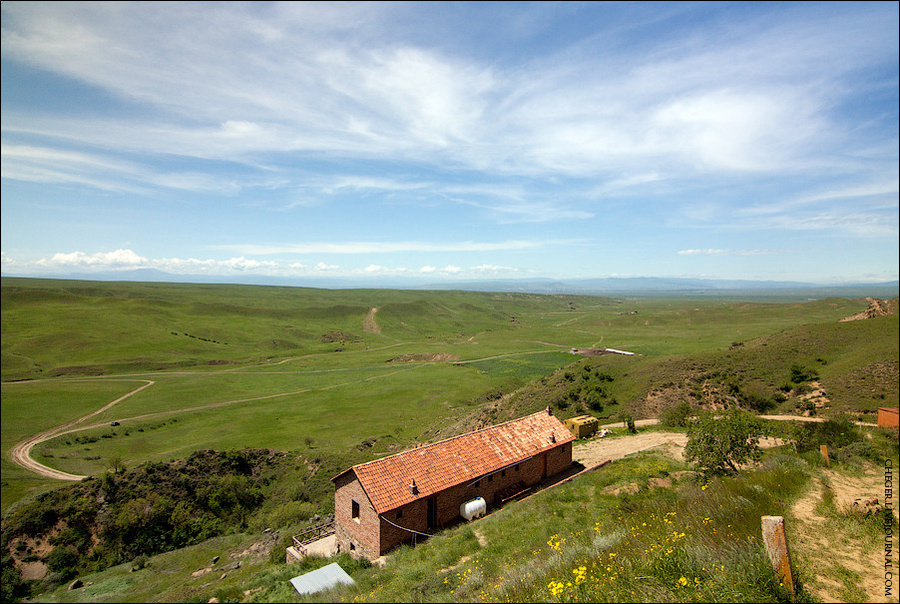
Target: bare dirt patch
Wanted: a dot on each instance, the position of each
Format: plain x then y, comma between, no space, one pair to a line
597,450
841,563
369,323
597,352
817,395
37,548
438,357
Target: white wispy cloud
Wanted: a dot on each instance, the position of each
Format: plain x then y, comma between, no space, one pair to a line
128,260
386,247
265,80
726,252
649,124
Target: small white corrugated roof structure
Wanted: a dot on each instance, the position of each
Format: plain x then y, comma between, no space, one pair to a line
323,578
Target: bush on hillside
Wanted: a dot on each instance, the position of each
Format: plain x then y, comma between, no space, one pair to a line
720,444
676,416
801,374
154,508
835,432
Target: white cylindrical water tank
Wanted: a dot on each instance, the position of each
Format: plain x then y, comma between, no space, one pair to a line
473,509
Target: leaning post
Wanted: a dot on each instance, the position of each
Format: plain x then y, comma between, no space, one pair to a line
776,546
824,451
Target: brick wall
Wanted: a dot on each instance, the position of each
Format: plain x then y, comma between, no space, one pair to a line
412,516
888,417
356,535
372,537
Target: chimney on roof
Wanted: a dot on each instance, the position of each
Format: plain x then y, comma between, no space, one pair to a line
549,410
413,488
553,437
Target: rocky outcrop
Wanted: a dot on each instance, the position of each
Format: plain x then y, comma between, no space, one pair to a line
877,308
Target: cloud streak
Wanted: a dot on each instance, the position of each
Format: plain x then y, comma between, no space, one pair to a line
300,90
273,130
127,260
387,247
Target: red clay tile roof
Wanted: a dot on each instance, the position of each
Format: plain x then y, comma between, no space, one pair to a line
457,460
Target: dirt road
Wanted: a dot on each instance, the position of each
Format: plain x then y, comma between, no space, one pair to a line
369,323
589,453
597,450
21,453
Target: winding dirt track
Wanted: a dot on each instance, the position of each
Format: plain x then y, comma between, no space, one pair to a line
589,454
21,453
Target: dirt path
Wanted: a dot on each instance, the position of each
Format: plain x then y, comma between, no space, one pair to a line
369,323
21,453
589,453
598,450
842,563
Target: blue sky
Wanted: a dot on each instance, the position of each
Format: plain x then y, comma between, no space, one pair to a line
441,141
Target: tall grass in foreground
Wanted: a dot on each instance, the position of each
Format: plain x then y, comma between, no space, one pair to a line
693,541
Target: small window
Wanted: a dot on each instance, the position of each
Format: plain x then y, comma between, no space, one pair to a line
517,467
502,473
476,484
491,478
354,510
399,514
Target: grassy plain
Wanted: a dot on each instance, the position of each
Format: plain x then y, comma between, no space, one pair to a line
294,368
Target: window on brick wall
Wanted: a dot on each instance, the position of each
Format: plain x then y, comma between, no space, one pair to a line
517,467
399,514
502,473
354,509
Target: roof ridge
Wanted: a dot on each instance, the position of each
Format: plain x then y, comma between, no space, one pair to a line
465,434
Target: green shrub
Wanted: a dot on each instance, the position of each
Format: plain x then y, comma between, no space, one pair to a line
858,450
676,416
835,433
719,444
800,374
62,559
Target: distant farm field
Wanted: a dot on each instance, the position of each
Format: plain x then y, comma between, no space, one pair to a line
302,369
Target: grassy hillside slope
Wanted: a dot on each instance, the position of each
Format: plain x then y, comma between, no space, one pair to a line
328,371
339,377
643,529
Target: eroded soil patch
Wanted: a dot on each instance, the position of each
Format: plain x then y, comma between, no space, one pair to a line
438,357
840,561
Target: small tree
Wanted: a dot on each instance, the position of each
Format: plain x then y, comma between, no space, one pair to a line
720,443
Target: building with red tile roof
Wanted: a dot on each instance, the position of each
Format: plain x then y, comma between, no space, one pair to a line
380,504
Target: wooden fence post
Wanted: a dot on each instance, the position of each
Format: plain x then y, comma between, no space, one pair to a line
777,548
824,450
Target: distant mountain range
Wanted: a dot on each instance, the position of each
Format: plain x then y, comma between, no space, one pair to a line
612,286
